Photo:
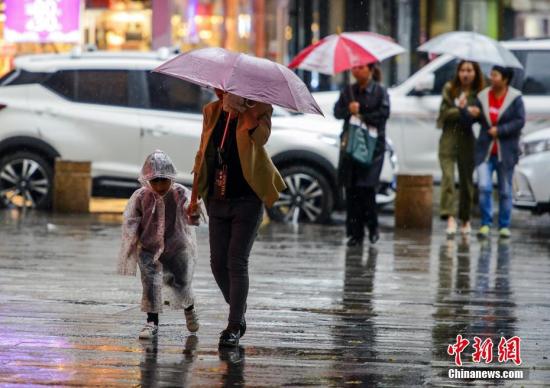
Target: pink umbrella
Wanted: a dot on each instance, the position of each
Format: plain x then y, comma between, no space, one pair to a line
243,75
338,52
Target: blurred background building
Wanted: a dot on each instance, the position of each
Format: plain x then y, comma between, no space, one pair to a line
275,29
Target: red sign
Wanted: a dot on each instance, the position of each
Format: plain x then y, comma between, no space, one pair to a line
508,350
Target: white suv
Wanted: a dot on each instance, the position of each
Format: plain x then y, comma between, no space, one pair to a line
110,109
415,103
531,183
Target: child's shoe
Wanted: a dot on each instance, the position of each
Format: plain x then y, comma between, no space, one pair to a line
149,331
192,320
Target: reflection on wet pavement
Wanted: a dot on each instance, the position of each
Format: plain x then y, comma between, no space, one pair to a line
319,314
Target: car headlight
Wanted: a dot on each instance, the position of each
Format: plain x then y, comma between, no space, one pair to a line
535,147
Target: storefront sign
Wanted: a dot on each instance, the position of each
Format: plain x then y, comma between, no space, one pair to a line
98,4
42,21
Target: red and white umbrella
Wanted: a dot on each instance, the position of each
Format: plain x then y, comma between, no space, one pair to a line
339,52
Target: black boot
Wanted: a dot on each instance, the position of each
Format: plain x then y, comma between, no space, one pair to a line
374,236
354,242
242,326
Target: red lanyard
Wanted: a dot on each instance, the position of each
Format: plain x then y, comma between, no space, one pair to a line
225,131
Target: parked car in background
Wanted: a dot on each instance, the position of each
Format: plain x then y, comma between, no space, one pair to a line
415,103
110,109
532,174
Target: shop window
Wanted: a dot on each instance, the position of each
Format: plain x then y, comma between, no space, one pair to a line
537,73
169,93
443,16
122,25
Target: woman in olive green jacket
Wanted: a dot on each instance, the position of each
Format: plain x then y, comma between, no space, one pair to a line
456,145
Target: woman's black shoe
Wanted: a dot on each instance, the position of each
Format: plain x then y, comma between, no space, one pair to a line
229,338
353,242
374,236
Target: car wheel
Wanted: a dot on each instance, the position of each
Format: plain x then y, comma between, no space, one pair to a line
26,180
386,195
307,198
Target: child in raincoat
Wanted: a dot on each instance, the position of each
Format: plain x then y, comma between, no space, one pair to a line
158,235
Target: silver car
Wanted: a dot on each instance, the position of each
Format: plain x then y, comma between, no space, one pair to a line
532,174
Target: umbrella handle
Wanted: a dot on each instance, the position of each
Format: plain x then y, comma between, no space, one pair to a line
350,86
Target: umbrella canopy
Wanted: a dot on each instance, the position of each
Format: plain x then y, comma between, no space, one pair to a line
339,52
244,75
471,46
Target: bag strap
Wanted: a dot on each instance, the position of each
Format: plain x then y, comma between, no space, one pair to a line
225,131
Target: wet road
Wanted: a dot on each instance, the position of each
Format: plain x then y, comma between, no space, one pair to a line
319,314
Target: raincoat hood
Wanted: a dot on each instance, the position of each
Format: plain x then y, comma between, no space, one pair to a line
157,165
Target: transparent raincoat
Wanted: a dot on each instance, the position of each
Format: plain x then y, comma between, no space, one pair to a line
145,216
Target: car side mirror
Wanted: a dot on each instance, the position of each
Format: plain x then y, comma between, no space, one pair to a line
425,84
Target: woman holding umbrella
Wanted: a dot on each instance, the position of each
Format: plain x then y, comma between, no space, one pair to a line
233,173
456,145
367,100
235,178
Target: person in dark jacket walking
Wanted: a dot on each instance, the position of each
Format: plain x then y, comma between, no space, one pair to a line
456,145
501,113
236,178
368,100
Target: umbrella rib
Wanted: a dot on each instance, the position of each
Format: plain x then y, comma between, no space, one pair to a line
230,71
317,109
288,87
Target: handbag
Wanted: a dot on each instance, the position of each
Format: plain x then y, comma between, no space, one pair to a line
361,142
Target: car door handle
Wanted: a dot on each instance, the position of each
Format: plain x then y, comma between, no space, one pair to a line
156,132
47,111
